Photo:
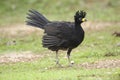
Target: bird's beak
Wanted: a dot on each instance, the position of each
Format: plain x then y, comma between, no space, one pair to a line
84,19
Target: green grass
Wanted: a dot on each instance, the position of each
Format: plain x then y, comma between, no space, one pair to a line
98,43
37,71
22,43
95,47
32,71
14,11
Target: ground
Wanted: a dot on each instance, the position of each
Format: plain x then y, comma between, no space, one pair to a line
22,56
91,59
21,29
29,56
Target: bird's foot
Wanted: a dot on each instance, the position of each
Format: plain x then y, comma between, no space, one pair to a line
71,63
59,65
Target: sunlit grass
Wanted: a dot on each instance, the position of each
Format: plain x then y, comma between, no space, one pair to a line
33,71
95,47
15,11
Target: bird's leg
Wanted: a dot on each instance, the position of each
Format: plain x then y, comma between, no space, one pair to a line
68,56
57,59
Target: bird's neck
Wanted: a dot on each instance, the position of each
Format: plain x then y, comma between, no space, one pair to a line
79,31
79,28
77,25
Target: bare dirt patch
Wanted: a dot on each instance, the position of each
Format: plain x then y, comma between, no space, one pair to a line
23,29
102,64
96,25
28,56
19,57
18,30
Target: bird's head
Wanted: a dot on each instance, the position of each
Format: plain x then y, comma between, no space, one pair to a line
80,16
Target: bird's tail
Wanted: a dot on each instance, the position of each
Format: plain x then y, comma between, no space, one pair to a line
36,19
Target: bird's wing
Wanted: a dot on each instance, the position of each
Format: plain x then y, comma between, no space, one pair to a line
62,30
58,35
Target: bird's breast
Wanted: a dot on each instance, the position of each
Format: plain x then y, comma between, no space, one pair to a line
76,40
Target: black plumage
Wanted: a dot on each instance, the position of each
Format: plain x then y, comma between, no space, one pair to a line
59,35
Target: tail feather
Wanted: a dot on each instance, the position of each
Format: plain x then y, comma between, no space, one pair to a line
32,23
39,15
36,19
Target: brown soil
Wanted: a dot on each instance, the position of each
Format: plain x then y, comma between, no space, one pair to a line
23,29
29,56
102,64
98,25
19,57
18,30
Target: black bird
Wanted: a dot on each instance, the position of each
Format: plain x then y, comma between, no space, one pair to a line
59,35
